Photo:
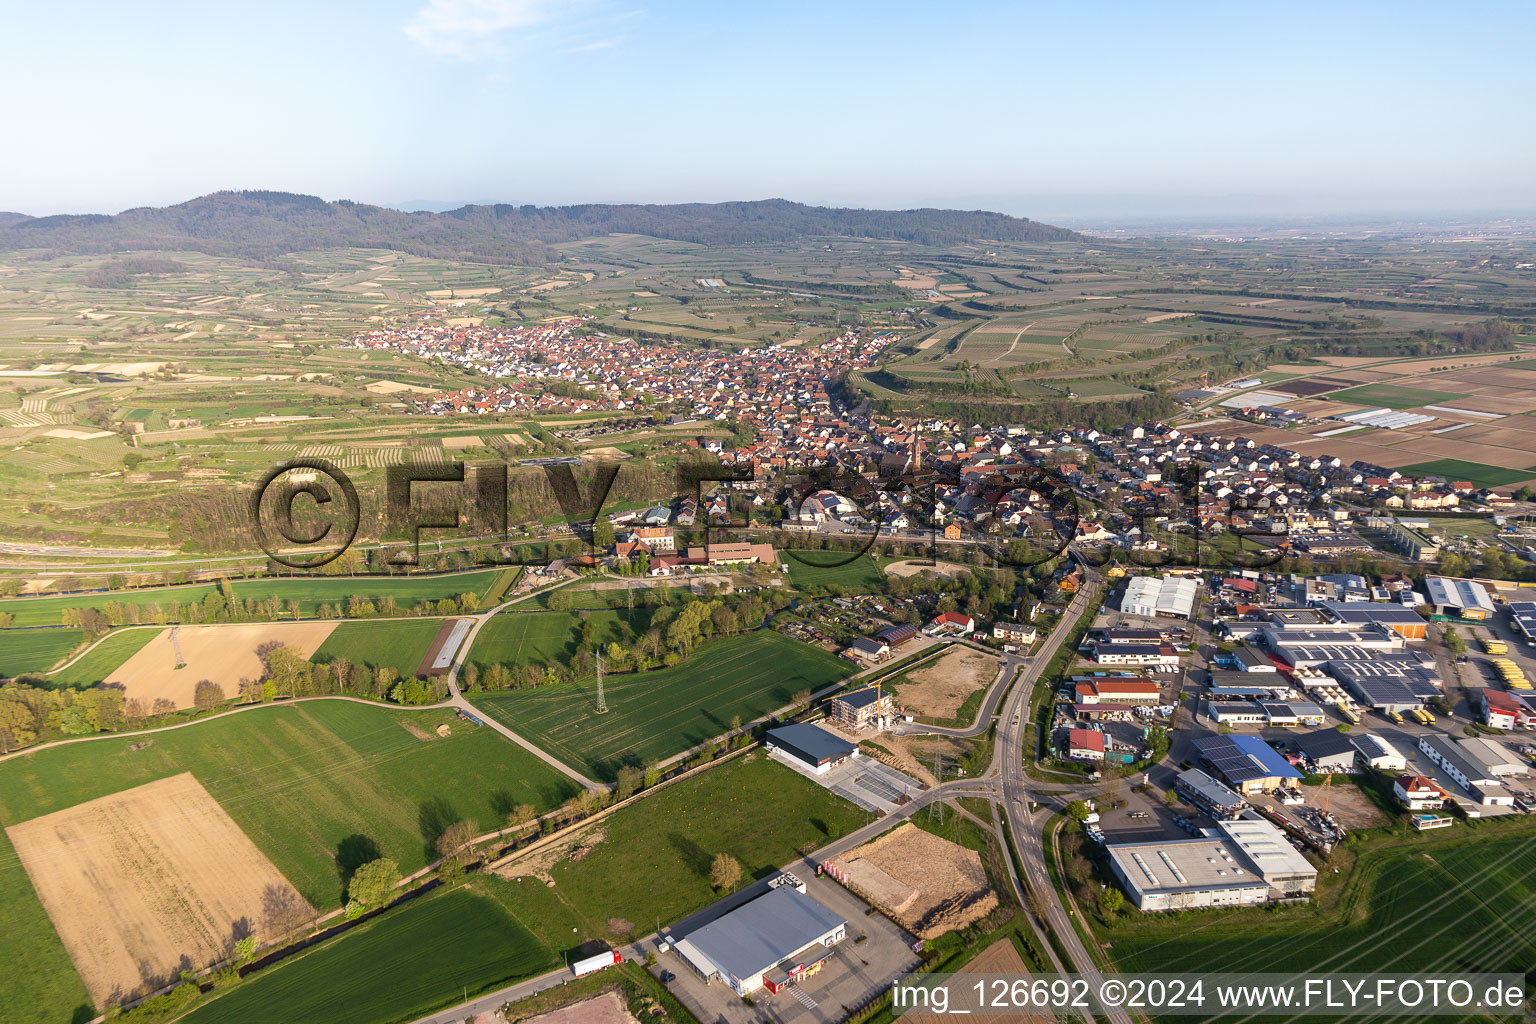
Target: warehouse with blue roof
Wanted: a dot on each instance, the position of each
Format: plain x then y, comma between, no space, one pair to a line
1246,763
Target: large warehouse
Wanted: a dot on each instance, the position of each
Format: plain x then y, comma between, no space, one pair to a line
1462,599
1150,597
1251,862
764,942
1246,763
809,748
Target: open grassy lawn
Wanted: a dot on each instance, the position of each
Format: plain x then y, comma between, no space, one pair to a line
1445,901
35,650
407,963
1476,472
656,714
1395,396
100,661
314,784
753,808
395,643
863,573
310,592
516,637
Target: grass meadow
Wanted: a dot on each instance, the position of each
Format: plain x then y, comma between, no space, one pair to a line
393,643
653,715
1475,472
406,963
35,650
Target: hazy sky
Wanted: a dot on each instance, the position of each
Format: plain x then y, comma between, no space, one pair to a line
1034,108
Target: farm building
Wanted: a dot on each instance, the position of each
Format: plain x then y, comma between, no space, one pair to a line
766,942
1417,793
1251,864
1462,599
864,649
809,747
895,636
1246,763
1149,597
1211,796
951,623
861,709
1085,745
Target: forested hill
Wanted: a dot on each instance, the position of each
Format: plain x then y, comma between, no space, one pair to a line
264,224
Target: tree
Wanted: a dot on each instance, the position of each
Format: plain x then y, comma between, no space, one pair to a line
1171,797
520,816
207,694
245,949
1111,900
602,533
559,601
373,883
628,781
724,872
455,840
1078,809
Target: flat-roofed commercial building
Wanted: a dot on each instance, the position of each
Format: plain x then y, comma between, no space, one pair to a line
1400,619
1149,597
765,942
1251,863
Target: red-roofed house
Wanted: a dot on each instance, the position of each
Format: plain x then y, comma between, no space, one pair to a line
1504,711
951,622
1417,793
1085,745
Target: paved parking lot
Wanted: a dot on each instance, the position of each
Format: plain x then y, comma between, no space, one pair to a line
862,781
874,952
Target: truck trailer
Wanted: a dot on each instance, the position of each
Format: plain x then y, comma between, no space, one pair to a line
596,963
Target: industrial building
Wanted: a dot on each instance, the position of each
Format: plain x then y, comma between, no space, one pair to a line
1135,654
1475,766
1210,795
895,636
862,648
1246,861
769,941
1149,597
809,747
1524,615
1085,745
1461,599
1115,690
1400,619
1328,749
1503,710
1246,763
1379,753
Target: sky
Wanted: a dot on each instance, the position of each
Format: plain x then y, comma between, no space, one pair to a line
1037,109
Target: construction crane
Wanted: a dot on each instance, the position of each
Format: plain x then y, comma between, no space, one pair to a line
1323,793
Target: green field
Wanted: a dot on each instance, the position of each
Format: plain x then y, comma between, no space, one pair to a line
1394,396
1475,472
35,650
424,955
1458,903
311,593
517,637
394,643
812,568
751,808
304,780
653,715
96,664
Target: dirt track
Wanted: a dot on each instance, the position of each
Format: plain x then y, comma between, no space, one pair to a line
142,881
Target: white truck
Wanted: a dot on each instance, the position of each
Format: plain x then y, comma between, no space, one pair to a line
596,963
